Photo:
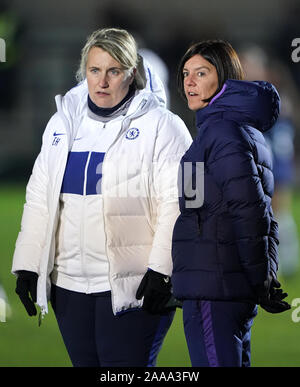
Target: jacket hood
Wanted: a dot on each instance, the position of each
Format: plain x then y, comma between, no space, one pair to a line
254,103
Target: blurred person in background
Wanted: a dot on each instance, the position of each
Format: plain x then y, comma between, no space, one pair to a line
257,64
10,33
100,208
5,308
225,249
160,67
10,30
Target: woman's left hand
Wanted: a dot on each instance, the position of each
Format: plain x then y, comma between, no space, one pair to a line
156,289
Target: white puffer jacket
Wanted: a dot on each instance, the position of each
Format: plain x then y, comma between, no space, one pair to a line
139,188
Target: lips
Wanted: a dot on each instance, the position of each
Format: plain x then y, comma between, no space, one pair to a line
191,94
101,93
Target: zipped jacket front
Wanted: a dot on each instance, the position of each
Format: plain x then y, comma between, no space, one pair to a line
139,189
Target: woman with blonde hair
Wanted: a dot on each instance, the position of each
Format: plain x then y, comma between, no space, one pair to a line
100,209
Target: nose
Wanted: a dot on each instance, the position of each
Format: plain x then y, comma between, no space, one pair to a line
189,80
103,81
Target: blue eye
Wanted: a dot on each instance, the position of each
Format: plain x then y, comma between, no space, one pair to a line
115,72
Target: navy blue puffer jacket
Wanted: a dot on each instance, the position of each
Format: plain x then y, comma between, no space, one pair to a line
226,248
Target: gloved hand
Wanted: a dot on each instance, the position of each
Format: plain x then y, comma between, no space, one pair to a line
272,300
26,287
156,289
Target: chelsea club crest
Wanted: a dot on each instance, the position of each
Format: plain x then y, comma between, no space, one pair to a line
132,133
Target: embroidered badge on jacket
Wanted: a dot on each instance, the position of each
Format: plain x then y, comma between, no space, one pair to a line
132,133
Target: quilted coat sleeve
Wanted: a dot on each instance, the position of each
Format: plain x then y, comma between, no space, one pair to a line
173,139
273,246
32,236
237,167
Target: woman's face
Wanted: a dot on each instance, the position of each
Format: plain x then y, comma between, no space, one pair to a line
200,80
108,82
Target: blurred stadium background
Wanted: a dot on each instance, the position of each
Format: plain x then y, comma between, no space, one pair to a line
43,43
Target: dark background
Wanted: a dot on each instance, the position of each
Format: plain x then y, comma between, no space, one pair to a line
44,49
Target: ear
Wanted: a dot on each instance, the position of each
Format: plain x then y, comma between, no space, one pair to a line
133,75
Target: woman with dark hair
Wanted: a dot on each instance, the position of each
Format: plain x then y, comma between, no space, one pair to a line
225,248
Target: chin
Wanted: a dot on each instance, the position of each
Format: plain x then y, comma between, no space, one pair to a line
102,104
198,106
194,107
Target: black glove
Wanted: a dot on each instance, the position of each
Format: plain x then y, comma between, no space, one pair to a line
27,284
156,289
272,300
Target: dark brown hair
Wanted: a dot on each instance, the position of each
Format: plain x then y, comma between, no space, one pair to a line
221,55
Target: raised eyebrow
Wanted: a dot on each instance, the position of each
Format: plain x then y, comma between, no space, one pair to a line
93,68
115,68
111,68
198,68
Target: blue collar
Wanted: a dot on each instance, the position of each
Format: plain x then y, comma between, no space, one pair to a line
104,112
